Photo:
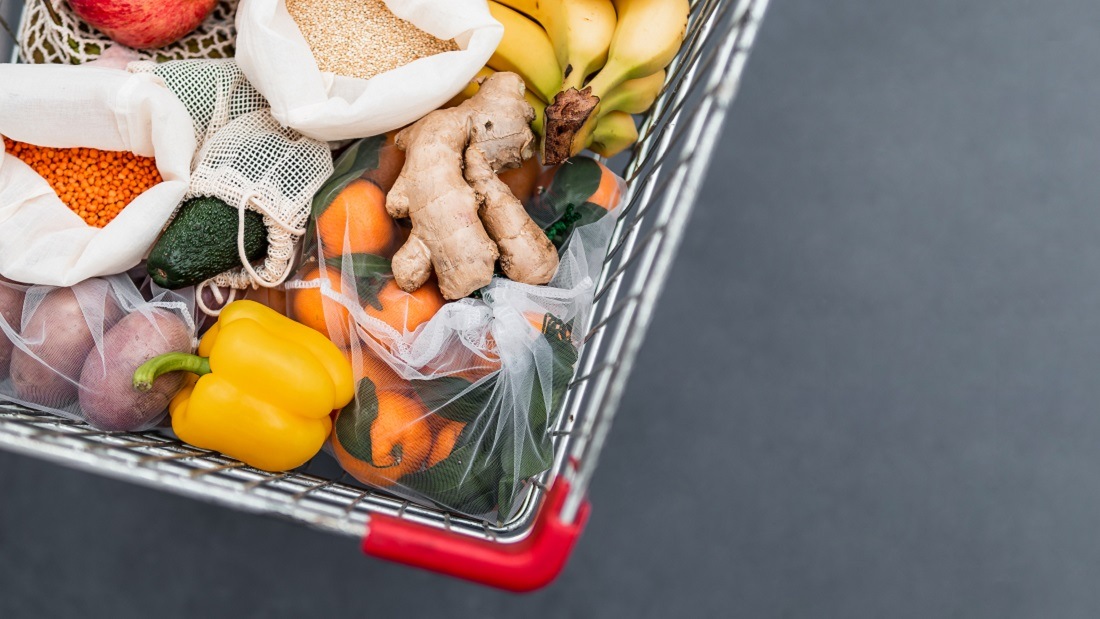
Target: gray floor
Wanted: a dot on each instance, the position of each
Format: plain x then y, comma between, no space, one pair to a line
871,389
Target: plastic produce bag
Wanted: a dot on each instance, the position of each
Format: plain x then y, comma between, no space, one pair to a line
73,351
456,401
41,240
277,60
247,160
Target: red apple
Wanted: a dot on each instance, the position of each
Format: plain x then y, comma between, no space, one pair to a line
144,24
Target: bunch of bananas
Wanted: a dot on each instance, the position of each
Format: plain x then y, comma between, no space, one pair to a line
589,65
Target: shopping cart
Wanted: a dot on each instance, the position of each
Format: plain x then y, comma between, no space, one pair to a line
664,175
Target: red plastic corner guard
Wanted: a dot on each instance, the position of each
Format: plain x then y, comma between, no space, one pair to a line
527,565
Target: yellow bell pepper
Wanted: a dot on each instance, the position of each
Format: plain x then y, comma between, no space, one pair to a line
265,390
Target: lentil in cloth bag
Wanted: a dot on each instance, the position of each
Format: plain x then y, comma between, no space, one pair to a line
43,241
307,95
247,160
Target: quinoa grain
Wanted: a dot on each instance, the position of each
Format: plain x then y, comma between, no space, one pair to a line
361,38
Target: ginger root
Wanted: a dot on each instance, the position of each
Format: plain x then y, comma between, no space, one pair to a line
464,218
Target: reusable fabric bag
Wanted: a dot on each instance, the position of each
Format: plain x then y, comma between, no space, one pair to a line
41,240
277,60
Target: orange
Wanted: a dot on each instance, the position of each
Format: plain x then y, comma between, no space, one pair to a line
445,439
307,306
606,195
609,192
357,214
523,180
405,311
378,371
400,438
390,161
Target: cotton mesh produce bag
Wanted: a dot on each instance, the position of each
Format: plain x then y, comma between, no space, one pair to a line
275,56
247,160
456,401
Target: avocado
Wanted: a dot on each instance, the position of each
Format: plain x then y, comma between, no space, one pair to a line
201,242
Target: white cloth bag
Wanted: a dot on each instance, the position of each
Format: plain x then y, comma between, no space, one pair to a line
277,60
42,241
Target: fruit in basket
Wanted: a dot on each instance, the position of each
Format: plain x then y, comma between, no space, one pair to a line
572,195
11,310
523,180
579,30
313,309
526,50
382,436
201,242
647,38
612,56
265,393
108,399
463,216
144,24
59,338
405,311
613,134
356,222
446,437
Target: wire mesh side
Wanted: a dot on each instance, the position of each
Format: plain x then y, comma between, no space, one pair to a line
663,177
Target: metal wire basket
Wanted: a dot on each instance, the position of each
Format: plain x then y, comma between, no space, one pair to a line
664,175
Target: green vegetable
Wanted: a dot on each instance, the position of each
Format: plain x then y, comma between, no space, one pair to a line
201,242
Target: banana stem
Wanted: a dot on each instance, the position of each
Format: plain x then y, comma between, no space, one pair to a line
151,370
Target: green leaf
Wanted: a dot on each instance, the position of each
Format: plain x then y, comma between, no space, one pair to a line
353,424
371,272
467,479
363,265
574,183
456,399
562,231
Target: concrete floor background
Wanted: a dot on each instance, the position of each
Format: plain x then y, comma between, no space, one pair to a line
870,390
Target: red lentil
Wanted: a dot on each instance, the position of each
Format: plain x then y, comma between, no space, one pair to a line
95,184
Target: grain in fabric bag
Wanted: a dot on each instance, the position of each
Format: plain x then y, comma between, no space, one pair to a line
42,241
275,56
73,351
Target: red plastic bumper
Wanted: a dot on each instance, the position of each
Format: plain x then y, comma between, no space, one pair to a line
524,566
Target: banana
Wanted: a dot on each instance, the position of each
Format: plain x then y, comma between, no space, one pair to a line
580,30
635,96
647,38
613,134
527,51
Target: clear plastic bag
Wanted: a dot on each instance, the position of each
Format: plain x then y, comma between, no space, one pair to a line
73,351
456,401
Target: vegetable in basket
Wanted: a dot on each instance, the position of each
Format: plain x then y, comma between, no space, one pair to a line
463,216
59,339
266,388
108,399
201,242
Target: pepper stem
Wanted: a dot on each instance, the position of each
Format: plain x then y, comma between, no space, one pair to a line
151,370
